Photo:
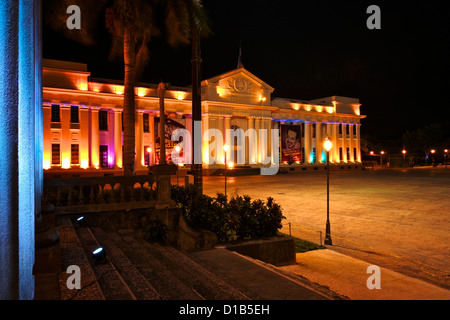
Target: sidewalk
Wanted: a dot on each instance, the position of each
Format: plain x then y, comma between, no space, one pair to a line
348,276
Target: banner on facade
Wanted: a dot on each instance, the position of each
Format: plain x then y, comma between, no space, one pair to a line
291,146
171,125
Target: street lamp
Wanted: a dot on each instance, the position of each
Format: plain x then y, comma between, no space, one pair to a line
404,154
381,158
327,144
446,157
225,150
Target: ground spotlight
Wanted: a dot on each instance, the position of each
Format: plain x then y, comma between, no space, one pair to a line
99,254
81,220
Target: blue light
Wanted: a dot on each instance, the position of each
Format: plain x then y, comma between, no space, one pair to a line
97,251
80,218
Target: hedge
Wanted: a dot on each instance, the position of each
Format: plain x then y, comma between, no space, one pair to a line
239,218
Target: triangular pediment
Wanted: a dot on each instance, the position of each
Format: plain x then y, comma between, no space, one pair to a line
240,81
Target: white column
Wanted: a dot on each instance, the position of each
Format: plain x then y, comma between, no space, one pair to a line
250,147
257,127
319,142
336,143
308,141
227,138
118,159
358,142
329,134
95,139
205,139
344,142
351,143
220,126
140,140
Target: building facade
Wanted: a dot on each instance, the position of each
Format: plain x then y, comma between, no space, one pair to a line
83,129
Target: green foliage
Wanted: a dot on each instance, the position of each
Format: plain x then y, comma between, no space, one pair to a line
239,218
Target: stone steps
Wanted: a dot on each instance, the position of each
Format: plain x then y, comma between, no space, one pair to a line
134,269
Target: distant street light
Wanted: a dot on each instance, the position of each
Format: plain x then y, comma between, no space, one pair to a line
446,157
381,160
404,154
327,144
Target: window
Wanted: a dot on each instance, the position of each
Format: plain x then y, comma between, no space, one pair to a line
56,157
355,154
340,128
340,154
303,129
74,115
75,154
348,154
146,123
103,120
314,130
56,117
347,129
354,129
313,156
104,156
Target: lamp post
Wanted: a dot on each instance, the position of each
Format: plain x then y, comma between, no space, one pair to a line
446,157
225,150
381,158
404,154
327,144
432,156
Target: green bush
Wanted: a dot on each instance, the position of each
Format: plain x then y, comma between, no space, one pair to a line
239,218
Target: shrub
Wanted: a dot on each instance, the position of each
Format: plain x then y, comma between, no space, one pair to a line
239,218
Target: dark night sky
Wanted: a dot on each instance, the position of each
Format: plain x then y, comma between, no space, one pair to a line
312,49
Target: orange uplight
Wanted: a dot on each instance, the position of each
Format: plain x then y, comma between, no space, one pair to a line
230,165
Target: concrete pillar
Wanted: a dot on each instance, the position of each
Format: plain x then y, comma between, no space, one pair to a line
118,159
329,134
205,139
250,149
140,140
95,139
19,113
336,144
227,138
257,142
351,143
319,142
358,142
344,142
84,137
308,142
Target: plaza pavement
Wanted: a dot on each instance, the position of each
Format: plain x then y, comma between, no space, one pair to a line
397,219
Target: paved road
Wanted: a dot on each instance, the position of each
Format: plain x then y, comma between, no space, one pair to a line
395,218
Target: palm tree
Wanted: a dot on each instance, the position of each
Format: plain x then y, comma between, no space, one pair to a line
187,23
132,25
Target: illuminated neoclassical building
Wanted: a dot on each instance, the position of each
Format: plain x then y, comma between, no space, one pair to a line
83,122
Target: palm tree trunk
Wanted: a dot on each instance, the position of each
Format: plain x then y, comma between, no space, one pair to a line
129,112
197,169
